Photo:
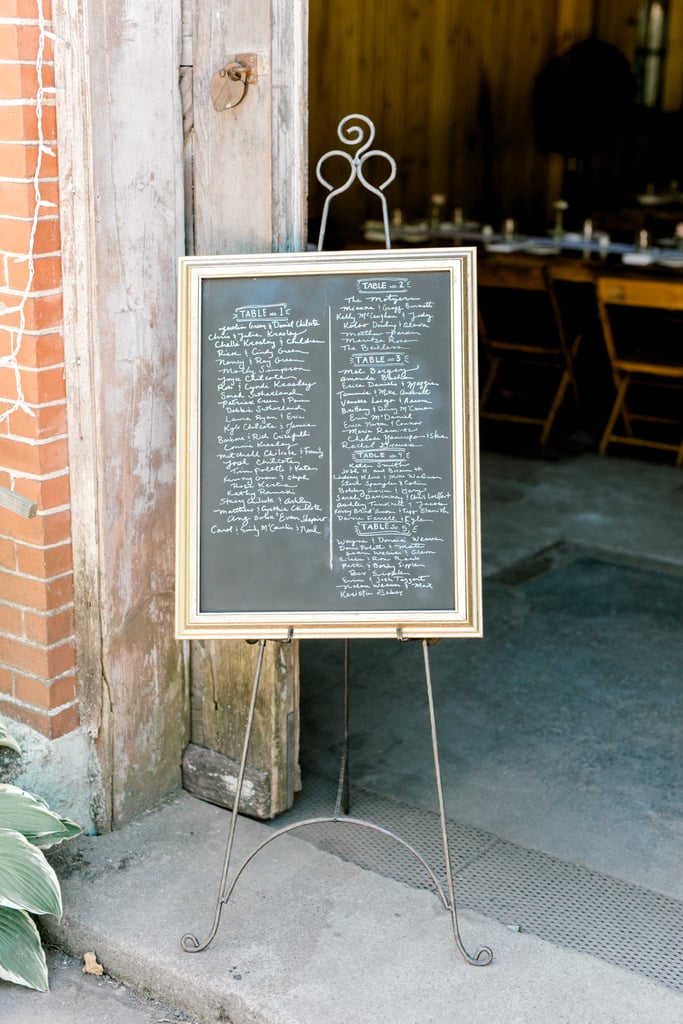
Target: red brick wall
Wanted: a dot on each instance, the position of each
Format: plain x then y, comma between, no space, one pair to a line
37,645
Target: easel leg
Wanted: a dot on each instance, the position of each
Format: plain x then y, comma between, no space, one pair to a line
189,942
485,955
343,803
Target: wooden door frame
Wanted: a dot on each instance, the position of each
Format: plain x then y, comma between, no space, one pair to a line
122,212
234,160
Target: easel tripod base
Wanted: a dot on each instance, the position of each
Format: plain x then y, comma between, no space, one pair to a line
191,944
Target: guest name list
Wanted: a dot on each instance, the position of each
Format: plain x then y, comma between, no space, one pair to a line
329,442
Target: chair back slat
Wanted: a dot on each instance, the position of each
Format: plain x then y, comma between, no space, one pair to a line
522,336
646,294
642,324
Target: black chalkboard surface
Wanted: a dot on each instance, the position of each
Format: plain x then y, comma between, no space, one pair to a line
327,450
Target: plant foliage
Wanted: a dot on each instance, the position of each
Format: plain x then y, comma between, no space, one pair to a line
28,884
8,741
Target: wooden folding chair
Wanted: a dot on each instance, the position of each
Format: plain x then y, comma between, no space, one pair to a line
530,365
642,323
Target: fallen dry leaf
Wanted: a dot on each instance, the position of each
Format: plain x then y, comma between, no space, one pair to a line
91,964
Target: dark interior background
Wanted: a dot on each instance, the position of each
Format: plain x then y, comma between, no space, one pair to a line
479,102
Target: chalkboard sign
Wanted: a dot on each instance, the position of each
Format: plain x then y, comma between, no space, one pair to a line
327,446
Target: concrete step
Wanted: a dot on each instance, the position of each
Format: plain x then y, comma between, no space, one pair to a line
307,937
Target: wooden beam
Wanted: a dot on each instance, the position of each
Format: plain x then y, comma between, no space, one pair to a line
17,503
121,189
249,196
289,144
213,777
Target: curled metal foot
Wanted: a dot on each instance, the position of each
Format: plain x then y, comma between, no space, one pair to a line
483,958
191,944
485,955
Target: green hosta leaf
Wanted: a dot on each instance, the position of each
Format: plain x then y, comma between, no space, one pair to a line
8,741
67,830
27,882
23,812
22,959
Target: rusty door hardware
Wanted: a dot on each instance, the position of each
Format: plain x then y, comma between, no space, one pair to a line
229,85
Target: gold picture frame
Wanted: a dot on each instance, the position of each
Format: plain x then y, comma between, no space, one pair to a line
327,446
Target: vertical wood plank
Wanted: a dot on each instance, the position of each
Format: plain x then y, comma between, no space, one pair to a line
186,35
289,69
575,20
186,100
78,230
120,163
672,98
188,156
249,196
618,24
232,149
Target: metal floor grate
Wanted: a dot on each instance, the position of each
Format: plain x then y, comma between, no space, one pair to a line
564,903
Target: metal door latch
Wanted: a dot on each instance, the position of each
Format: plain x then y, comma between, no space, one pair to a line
229,85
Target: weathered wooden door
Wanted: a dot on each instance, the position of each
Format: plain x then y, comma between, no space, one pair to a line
245,189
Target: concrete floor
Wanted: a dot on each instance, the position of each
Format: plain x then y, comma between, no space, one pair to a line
561,731
560,741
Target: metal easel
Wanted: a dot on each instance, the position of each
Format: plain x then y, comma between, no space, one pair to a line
341,816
